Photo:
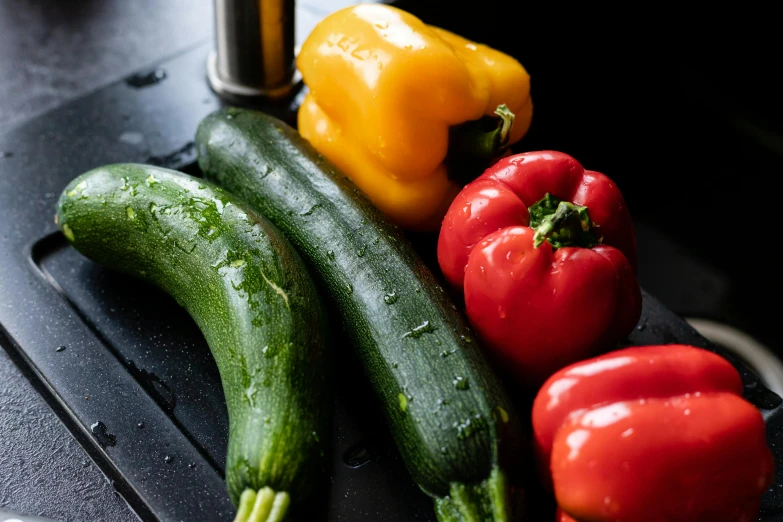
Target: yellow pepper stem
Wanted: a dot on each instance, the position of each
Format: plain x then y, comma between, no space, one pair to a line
476,144
506,122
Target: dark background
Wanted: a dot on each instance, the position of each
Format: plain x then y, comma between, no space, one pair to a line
682,110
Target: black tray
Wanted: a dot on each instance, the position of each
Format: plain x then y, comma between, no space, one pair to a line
133,358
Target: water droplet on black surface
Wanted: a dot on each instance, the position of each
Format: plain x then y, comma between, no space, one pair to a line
141,80
60,348
102,434
176,158
140,425
168,459
357,456
154,386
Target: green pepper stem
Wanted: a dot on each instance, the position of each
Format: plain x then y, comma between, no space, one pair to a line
266,505
562,224
564,211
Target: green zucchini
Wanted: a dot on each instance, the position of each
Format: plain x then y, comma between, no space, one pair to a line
252,298
452,421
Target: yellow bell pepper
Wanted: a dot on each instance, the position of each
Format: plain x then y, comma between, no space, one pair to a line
386,94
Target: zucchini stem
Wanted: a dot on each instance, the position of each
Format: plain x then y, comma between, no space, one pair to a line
266,505
486,501
466,506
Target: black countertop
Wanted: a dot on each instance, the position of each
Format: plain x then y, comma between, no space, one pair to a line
42,467
53,51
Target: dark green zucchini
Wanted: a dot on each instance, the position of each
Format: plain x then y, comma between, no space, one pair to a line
453,423
251,296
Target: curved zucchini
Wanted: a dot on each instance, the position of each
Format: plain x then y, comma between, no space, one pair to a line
453,424
250,295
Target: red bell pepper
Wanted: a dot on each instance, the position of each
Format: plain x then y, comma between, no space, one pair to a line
562,517
545,253
651,434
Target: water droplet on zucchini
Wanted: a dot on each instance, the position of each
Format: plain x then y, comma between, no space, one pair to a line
403,401
461,383
68,232
420,330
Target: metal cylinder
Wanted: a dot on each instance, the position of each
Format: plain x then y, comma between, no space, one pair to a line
254,49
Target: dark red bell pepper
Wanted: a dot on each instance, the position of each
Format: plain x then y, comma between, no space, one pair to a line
651,434
545,253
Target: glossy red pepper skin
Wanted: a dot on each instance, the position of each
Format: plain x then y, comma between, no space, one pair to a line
562,517
540,308
650,434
